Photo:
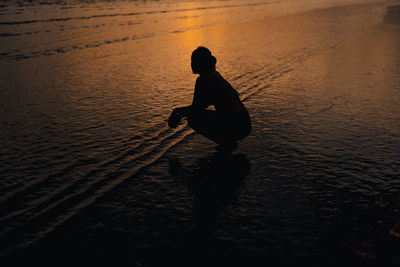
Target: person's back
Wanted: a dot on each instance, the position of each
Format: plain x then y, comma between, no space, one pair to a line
228,101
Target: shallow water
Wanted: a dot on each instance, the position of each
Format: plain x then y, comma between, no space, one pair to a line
90,169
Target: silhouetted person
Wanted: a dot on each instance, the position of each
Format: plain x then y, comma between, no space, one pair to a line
230,121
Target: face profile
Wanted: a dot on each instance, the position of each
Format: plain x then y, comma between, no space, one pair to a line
195,67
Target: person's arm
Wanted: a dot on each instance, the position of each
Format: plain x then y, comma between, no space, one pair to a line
200,98
178,114
198,104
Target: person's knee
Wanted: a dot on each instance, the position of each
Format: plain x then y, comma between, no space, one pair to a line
192,121
198,122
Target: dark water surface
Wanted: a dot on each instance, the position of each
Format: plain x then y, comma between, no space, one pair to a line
91,173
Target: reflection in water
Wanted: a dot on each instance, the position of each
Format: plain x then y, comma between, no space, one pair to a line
215,185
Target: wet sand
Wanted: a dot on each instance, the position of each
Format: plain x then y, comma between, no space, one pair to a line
322,88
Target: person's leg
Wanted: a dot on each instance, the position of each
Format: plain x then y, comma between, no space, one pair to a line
208,124
242,126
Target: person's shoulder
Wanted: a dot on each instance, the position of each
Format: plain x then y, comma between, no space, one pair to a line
199,82
199,79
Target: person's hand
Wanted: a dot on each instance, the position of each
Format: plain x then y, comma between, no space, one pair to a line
175,118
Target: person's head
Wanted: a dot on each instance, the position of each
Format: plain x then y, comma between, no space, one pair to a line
202,60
